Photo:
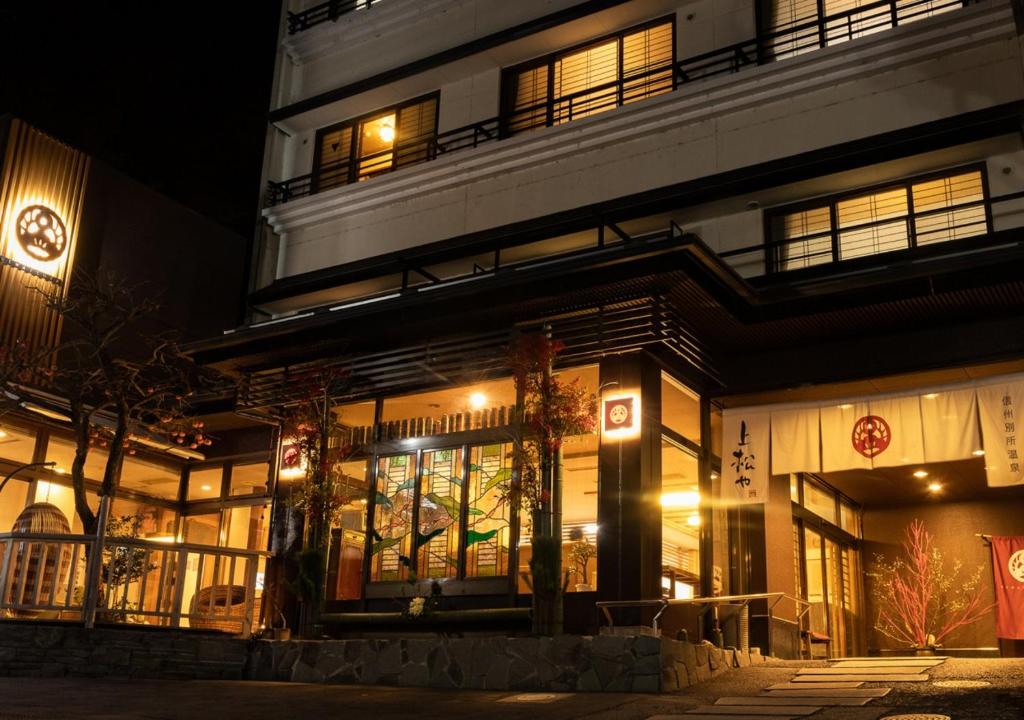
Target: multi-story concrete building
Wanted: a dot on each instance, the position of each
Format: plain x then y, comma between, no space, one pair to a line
784,228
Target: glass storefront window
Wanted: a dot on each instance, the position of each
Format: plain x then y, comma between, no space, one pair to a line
794,488
356,422
820,501
348,535
680,521
487,524
437,537
149,478
680,408
473,407
204,483
16,445
579,504
13,500
250,479
62,452
849,518
63,496
143,520
394,501
201,529
247,527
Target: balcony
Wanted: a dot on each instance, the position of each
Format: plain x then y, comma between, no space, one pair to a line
789,40
325,12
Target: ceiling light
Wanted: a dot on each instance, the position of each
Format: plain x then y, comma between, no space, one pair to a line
845,406
3,434
920,473
693,520
688,498
934,487
590,529
714,476
477,400
930,396
205,488
976,453
387,133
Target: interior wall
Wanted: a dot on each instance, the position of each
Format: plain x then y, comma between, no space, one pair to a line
954,526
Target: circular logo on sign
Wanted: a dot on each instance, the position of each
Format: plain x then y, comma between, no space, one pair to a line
41,233
871,436
1016,566
618,414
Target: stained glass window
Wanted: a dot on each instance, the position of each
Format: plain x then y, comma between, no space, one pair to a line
437,537
487,523
394,497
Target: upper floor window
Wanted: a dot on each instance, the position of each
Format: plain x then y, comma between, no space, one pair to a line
902,215
793,27
573,84
377,143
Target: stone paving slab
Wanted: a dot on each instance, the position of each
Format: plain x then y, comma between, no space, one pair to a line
826,685
775,701
732,710
894,657
886,663
861,678
809,690
692,716
863,671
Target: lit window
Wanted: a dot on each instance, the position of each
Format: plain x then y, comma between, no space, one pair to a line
359,149
616,71
901,216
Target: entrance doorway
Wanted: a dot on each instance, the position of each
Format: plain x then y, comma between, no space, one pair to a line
828,568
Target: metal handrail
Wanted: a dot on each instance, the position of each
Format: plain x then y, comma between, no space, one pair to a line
781,43
324,12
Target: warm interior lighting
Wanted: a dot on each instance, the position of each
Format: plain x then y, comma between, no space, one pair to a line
934,487
477,401
590,529
976,453
845,406
684,498
168,539
920,473
387,133
714,476
693,520
3,434
930,396
205,488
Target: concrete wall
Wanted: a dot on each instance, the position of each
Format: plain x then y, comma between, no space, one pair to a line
933,69
954,526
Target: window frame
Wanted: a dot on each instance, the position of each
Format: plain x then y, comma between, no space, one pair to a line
508,74
352,174
773,246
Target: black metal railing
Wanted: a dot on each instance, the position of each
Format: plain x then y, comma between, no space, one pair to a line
870,239
784,42
325,12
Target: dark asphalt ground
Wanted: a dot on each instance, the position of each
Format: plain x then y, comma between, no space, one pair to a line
65,698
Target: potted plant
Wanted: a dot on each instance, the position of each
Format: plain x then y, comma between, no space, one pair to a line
581,552
920,601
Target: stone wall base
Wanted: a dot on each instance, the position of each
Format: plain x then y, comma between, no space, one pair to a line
568,663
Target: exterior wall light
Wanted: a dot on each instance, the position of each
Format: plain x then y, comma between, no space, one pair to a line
934,487
620,416
920,474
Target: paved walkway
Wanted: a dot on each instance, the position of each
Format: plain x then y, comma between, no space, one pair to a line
68,698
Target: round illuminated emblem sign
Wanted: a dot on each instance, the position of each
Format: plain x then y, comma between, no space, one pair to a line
1016,566
618,414
41,233
871,436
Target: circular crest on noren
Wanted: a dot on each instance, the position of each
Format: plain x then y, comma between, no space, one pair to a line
41,233
871,436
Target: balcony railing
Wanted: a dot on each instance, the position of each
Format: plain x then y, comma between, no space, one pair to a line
79,578
888,235
784,42
325,12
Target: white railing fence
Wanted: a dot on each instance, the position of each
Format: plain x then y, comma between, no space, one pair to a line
88,579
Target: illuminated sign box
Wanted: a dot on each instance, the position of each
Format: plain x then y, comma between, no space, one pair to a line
620,416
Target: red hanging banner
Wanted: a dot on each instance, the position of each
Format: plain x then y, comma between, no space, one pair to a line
1008,565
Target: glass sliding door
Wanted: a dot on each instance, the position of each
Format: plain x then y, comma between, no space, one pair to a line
831,583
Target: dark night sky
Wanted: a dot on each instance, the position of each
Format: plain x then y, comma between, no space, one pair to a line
173,94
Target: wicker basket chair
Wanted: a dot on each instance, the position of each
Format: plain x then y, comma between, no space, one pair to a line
226,605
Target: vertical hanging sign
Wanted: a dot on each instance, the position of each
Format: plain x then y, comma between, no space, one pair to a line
1001,408
1008,566
745,458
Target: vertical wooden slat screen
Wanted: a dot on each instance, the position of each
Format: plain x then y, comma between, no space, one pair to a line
37,170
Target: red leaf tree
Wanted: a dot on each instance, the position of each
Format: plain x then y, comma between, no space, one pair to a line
919,602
